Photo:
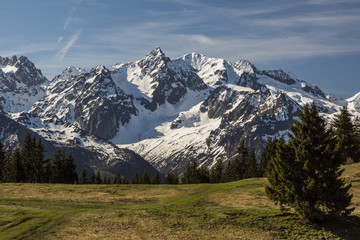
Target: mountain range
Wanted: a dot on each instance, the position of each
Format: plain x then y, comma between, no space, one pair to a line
155,114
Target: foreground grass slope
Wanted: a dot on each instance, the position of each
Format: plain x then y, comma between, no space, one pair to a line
237,210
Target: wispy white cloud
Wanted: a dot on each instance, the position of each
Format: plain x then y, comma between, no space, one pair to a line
70,15
60,55
59,40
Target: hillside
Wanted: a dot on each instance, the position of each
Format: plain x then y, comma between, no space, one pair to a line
237,210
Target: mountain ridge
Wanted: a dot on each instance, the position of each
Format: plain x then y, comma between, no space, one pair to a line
172,111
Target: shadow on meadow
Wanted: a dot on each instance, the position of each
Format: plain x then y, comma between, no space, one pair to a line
343,227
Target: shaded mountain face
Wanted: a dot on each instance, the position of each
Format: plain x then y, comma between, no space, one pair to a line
168,111
71,112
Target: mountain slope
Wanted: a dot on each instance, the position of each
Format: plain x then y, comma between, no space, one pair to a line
51,111
169,111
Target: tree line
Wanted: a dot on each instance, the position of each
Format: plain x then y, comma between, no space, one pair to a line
243,166
303,170
29,165
343,130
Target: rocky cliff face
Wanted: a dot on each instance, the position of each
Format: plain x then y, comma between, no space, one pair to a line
21,84
77,111
169,111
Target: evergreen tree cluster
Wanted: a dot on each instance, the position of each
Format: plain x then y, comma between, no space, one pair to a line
347,134
28,164
145,179
98,179
171,178
243,166
304,172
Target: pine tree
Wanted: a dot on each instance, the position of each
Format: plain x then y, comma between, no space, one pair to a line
204,175
64,170
125,180
191,174
70,170
27,156
104,180
242,164
48,173
156,179
251,165
305,173
231,171
280,174
2,162
38,161
145,179
98,177
346,135
59,167
8,167
82,177
117,179
93,178
171,178
239,167
135,179
216,173
266,155
18,171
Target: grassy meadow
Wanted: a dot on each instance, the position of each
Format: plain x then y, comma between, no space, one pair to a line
237,210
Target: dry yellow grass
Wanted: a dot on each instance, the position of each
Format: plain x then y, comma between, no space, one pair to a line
109,226
238,210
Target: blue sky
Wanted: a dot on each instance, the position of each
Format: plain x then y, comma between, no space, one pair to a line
318,41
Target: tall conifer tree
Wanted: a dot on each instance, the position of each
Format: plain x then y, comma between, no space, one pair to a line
216,173
18,171
266,155
48,173
156,179
38,161
2,162
59,167
171,178
98,177
305,173
145,178
251,165
346,135
27,156
83,177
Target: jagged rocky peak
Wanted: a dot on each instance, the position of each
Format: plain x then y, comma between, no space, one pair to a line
156,53
280,76
21,84
154,60
100,70
245,66
71,71
66,78
22,70
8,61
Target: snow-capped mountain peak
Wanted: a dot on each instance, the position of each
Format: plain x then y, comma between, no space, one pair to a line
71,71
170,111
21,84
354,103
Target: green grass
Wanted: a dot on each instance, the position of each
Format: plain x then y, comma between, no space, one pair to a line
237,210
